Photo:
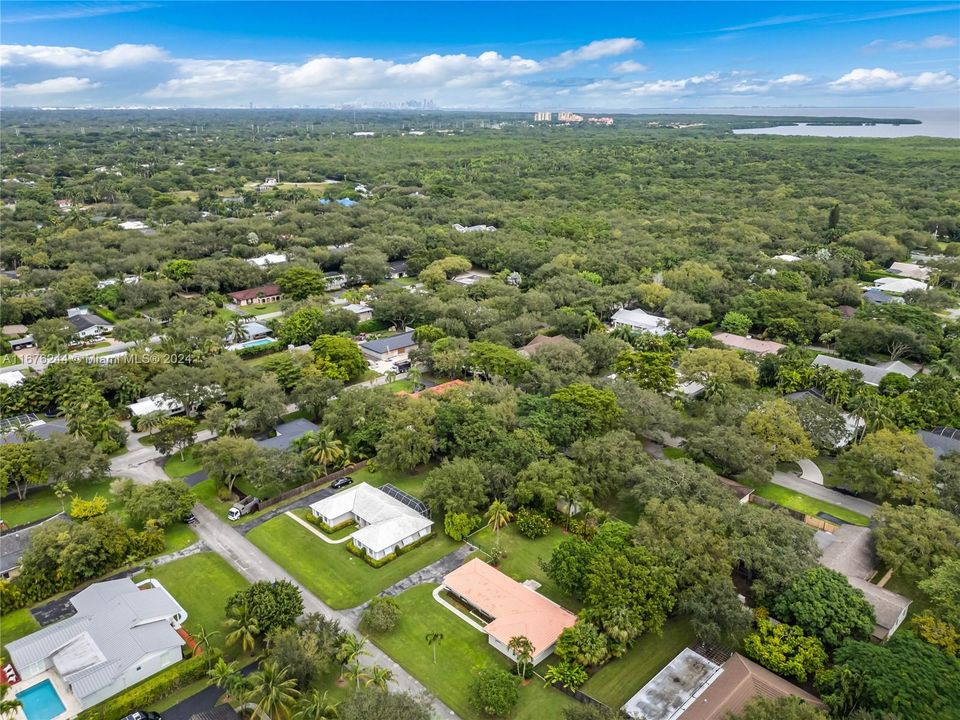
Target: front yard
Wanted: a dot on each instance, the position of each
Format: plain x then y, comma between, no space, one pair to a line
42,503
202,584
806,504
461,649
338,578
618,681
522,560
263,309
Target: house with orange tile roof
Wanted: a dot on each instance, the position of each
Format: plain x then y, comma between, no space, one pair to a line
748,344
435,390
510,608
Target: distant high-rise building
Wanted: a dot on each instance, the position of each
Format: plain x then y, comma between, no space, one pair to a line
542,117
569,117
608,121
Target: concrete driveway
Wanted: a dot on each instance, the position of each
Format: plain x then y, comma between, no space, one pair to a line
254,565
855,504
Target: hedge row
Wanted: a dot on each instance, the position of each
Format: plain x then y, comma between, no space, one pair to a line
154,688
387,558
328,529
257,350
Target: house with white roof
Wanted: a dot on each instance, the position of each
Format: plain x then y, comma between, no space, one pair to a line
640,321
155,403
388,519
120,634
12,378
787,258
872,374
910,270
134,225
268,260
473,228
899,285
363,311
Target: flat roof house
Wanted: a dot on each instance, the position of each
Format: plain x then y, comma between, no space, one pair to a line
260,295
748,344
268,260
640,321
390,347
12,378
512,608
155,403
121,634
387,518
872,374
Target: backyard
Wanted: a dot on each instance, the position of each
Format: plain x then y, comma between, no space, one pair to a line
202,584
338,578
42,503
522,559
461,649
618,681
806,504
261,309
14,625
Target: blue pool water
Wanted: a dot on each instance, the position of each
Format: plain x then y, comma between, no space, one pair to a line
255,343
41,701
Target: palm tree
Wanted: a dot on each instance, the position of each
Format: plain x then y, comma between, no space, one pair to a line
322,447
316,706
272,691
379,677
8,705
498,516
352,648
522,650
204,639
355,672
225,676
243,627
151,421
237,329
433,639
61,490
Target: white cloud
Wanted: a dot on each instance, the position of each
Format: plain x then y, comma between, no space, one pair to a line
54,86
597,50
933,42
628,67
123,55
753,87
76,12
673,87
880,79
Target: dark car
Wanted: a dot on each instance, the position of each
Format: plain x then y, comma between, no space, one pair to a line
143,715
190,519
342,483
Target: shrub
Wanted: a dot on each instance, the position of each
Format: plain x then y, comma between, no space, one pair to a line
81,509
460,525
494,691
330,529
784,649
382,615
360,553
154,688
531,523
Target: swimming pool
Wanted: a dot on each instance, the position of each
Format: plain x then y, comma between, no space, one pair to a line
256,343
41,701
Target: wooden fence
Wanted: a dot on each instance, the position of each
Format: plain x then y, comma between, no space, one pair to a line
293,492
810,520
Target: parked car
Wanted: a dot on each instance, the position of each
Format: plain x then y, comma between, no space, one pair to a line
190,519
342,482
243,507
143,715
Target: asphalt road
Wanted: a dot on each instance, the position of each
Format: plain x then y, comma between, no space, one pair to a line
254,565
848,502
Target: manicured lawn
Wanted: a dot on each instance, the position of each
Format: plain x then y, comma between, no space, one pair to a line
261,309
338,578
177,468
42,503
462,649
672,453
177,537
14,625
408,482
206,493
618,681
806,504
400,386
202,584
522,561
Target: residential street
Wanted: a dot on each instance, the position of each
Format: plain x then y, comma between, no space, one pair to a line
255,565
858,505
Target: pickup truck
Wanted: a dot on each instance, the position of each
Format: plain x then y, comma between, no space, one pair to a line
243,507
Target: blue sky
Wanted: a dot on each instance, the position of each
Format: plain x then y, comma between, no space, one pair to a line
524,56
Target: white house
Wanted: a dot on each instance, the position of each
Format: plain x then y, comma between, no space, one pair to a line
12,378
872,374
134,225
640,321
121,634
268,260
155,403
361,310
334,280
473,228
87,325
389,348
386,521
899,285
787,258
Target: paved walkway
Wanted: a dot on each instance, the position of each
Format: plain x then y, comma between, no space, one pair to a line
810,471
858,505
462,615
432,573
254,565
318,533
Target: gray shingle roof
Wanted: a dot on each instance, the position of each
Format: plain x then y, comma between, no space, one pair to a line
386,344
941,440
872,374
287,433
89,320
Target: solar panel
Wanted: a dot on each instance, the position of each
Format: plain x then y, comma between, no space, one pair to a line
12,423
409,500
